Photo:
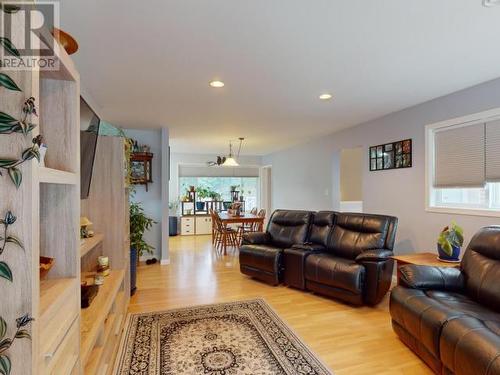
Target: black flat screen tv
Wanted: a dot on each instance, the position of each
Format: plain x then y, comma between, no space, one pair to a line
89,132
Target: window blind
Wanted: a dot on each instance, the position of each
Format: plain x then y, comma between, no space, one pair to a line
460,156
492,151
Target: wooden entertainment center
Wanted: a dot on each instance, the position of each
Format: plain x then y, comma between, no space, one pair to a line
65,338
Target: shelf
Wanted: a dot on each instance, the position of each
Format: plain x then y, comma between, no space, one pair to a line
53,293
90,243
96,355
94,316
56,176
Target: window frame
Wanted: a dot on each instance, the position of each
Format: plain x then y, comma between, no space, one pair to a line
430,130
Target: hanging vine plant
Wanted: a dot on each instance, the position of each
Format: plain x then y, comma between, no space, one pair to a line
9,125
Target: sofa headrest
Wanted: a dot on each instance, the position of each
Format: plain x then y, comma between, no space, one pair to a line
289,227
487,242
290,218
321,227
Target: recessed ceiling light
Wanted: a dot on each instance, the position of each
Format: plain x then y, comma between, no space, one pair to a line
490,3
217,84
325,96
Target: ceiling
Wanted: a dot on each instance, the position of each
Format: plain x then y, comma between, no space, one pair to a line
147,64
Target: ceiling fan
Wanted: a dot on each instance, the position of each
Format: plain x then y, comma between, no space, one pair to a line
230,160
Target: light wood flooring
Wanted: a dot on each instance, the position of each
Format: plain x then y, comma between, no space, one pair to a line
348,340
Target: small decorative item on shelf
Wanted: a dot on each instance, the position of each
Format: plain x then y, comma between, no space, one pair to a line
66,41
99,278
235,209
85,231
449,242
46,264
103,265
88,292
42,150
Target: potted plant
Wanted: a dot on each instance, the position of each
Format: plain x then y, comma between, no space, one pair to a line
214,195
139,223
203,193
173,207
449,242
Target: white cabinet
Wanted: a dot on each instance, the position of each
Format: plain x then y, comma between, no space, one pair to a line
187,226
204,225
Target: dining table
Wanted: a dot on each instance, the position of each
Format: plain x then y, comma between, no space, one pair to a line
243,218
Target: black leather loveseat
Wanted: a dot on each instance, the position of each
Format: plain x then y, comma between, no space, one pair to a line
342,255
450,317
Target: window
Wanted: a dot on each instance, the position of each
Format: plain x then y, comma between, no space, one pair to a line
463,165
247,186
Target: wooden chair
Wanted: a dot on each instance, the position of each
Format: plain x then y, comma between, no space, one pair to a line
224,236
253,211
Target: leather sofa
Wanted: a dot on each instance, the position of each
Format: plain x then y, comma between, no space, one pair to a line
450,317
261,252
342,255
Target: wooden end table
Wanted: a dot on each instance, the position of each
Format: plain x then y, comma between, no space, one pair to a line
421,259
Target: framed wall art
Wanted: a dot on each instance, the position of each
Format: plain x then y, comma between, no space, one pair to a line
392,155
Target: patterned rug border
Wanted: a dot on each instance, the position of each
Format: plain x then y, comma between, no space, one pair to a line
261,301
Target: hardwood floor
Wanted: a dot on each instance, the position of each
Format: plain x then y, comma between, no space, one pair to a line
348,340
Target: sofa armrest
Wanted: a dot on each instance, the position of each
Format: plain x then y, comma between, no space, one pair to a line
427,277
309,246
377,255
256,238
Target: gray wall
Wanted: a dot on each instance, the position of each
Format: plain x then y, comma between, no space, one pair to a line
307,176
151,199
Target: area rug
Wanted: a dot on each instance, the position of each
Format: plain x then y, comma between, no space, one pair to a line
244,337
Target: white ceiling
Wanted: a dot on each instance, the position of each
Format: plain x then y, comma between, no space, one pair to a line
148,63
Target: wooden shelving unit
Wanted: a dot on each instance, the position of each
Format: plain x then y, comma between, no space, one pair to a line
48,206
91,243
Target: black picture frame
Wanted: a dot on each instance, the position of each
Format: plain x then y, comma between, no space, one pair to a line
392,155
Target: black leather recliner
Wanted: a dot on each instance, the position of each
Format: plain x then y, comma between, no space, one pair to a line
450,317
261,253
356,265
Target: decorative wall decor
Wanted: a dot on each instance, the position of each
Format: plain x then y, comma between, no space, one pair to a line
392,155
141,168
8,125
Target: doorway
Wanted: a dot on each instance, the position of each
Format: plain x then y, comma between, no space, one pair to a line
351,179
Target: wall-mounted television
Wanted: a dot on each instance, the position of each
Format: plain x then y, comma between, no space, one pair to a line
89,132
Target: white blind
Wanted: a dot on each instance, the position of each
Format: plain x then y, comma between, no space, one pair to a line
493,151
203,171
460,157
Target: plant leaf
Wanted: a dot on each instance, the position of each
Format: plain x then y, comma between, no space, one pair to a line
9,8
5,118
5,344
9,47
3,328
5,271
15,240
16,176
6,163
8,83
5,365
31,153
23,334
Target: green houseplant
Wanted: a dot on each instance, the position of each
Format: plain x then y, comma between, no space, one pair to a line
139,223
450,241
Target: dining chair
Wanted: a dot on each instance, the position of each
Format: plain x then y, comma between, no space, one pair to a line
225,236
253,211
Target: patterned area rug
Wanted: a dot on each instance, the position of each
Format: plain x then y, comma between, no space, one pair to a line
244,337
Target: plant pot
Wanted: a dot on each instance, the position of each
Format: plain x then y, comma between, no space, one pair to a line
200,206
133,271
454,257
172,225
226,205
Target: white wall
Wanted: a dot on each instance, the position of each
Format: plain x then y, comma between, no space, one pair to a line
351,174
151,199
198,159
313,181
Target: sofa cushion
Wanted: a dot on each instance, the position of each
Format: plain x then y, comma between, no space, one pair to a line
336,272
355,233
322,224
261,257
481,265
471,346
288,227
